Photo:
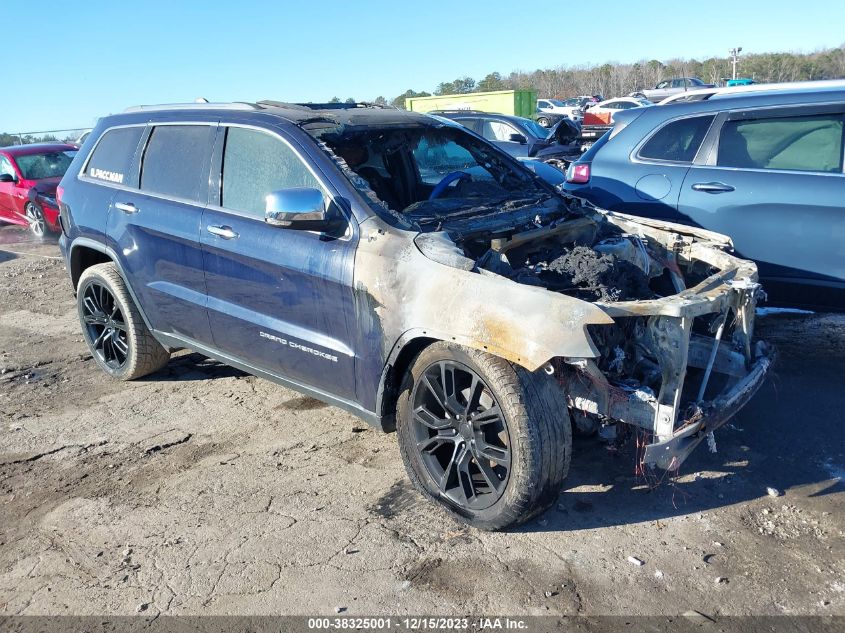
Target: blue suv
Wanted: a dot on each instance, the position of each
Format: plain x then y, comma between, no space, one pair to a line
406,270
764,168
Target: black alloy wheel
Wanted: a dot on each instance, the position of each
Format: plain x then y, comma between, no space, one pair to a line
105,326
461,435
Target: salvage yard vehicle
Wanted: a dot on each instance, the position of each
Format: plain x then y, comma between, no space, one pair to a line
402,268
764,167
518,136
608,109
600,117
670,87
29,175
571,109
523,138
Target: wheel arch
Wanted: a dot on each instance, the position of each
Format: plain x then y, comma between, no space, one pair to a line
84,252
83,257
406,349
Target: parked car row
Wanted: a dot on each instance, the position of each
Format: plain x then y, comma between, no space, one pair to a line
549,111
570,109
670,87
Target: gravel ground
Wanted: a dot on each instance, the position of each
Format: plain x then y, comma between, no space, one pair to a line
202,490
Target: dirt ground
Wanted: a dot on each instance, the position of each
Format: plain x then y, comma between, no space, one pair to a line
202,490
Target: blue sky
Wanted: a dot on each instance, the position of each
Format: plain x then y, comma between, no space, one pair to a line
76,61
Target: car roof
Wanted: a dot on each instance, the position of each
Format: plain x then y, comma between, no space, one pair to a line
36,148
707,93
743,99
345,114
615,99
474,113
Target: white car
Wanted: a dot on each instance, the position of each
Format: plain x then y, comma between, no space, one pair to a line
612,106
570,108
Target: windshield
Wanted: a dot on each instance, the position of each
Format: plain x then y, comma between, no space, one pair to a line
433,174
46,165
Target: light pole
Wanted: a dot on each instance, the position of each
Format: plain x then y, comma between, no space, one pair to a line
735,58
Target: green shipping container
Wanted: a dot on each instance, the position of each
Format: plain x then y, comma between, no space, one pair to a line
518,102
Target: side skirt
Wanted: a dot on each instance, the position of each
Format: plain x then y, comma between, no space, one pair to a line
370,417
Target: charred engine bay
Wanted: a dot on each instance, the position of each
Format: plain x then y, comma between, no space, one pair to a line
576,270
580,257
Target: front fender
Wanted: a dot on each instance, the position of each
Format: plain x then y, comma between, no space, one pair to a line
406,293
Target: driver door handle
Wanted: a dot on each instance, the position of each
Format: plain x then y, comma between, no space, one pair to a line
712,187
126,207
225,232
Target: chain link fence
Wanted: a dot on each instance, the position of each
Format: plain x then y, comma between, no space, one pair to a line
75,135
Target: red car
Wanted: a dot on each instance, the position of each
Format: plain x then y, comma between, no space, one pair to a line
29,175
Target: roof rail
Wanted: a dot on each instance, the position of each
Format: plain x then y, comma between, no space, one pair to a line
458,111
280,104
237,105
342,105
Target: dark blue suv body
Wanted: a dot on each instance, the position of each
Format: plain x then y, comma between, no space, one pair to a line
376,259
764,168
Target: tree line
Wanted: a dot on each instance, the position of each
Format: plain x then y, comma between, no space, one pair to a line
615,80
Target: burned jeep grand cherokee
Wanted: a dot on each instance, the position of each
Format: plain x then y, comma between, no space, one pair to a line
403,268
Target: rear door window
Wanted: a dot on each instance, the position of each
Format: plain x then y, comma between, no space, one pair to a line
175,160
798,143
112,157
256,164
677,141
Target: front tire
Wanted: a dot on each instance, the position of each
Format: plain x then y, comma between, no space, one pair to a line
119,340
482,436
544,121
35,217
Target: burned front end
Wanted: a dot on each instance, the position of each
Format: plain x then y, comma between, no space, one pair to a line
680,358
643,323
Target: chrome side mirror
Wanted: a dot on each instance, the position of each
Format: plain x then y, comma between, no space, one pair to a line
297,208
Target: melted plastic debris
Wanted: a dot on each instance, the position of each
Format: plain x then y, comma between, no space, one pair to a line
592,276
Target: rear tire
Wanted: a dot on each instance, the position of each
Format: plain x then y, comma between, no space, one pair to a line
119,340
500,422
544,121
